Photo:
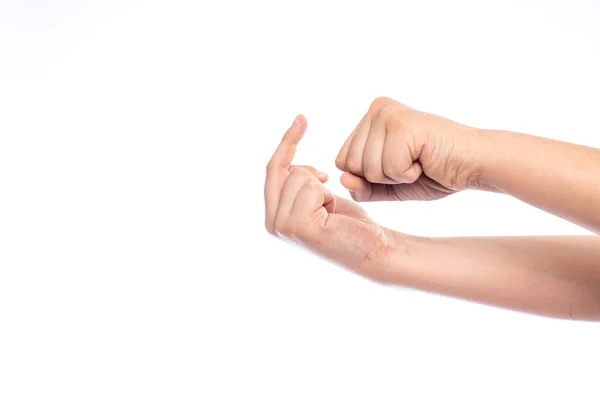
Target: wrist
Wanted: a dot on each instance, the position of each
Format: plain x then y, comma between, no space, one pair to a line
487,148
406,255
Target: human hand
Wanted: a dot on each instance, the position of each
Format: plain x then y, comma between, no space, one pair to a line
300,208
399,153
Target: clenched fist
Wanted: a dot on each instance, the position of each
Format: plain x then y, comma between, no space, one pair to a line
300,208
399,153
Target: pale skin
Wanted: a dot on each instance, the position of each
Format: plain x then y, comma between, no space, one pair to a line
397,153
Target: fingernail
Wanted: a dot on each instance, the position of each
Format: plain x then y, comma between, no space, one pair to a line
296,121
321,174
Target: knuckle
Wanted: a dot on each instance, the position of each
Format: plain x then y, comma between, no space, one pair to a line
410,178
372,175
298,172
400,121
314,186
354,165
340,162
390,168
269,227
271,166
311,170
310,188
387,113
282,227
412,175
379,102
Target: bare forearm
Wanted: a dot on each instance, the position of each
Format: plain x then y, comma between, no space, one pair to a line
561,178
552,276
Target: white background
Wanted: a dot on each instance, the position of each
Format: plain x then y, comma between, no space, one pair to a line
133,140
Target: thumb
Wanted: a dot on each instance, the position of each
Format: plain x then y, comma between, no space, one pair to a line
359,188
362,190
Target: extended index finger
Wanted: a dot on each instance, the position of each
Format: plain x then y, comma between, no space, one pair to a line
278,168
284,154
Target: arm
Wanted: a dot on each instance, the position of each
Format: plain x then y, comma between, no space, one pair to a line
558,177
399,153
552,276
